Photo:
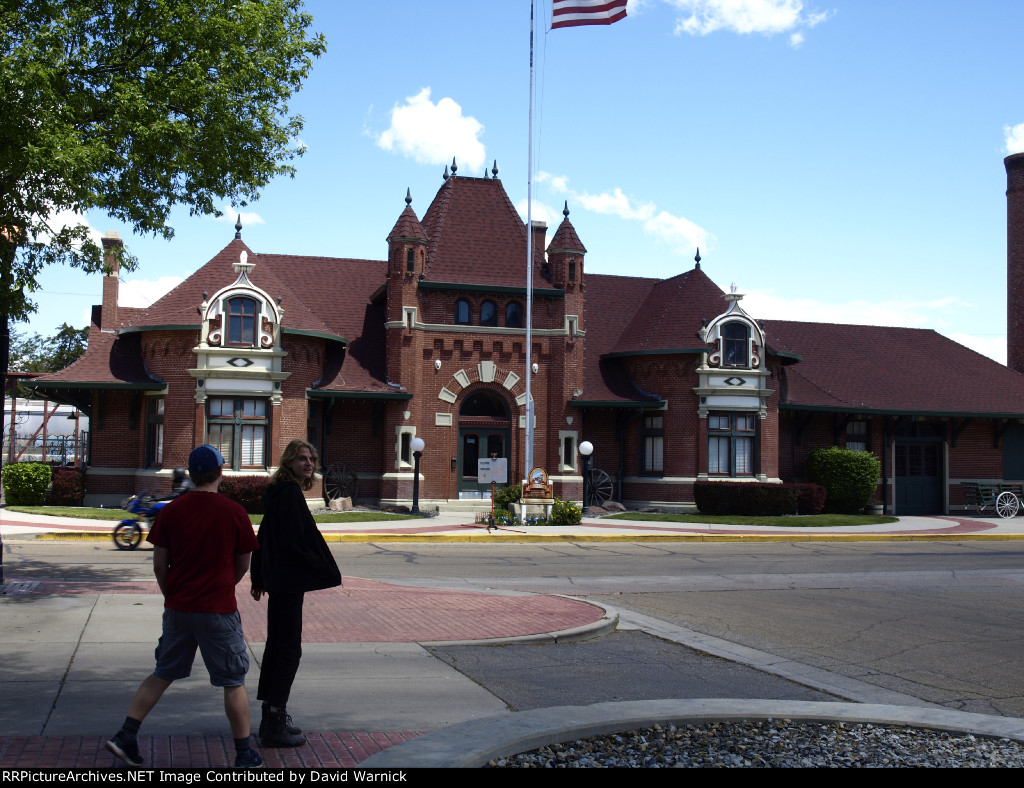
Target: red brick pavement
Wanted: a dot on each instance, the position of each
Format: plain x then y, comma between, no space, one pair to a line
181,751
368,611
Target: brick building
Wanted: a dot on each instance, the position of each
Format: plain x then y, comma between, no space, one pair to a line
670,380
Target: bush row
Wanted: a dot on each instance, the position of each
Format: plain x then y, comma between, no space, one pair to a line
758,498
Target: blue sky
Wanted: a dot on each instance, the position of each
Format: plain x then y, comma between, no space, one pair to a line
840,162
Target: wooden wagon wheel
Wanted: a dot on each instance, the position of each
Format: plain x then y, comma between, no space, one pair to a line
599,488
1007,505
340,481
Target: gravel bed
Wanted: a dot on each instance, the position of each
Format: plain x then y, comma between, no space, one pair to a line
773,743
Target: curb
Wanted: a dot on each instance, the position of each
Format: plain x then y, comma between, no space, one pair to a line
603,626
645,537
473,743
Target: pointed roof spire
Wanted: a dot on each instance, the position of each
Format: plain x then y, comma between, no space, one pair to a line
565,210
408,196
697,259
455,167
238,228
494,169
445,176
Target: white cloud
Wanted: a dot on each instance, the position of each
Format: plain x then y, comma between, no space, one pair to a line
58,220
231,214
677,232
145,292
1014,138
913,314
542,212
432,133
766,17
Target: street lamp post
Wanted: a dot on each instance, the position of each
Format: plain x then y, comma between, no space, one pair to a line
417,445
586,449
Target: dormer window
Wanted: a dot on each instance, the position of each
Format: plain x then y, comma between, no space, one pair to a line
242,322
514,315
488,314
735,345
462,315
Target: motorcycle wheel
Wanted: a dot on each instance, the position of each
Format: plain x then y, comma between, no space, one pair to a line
127,535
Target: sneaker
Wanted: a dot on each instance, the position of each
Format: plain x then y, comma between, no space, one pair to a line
250,759
125,747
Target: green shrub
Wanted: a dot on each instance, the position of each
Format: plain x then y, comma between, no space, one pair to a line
25,483
504,497
565,513
246,490
68,487
850,477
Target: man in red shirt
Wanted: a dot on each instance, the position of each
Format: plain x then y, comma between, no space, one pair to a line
201,547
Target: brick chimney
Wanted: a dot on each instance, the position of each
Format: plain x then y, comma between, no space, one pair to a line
540,231
112,246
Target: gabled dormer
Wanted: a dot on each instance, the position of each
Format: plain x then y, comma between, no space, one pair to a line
239,349
737,339
241,316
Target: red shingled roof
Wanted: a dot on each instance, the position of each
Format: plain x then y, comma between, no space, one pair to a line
109,358
611,302
476,235
670,317
890,370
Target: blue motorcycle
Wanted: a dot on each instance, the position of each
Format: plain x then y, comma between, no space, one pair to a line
128,533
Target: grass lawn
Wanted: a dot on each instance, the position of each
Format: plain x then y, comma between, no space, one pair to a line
792,521
89,513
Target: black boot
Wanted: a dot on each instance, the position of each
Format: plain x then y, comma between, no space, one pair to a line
276,730
288,721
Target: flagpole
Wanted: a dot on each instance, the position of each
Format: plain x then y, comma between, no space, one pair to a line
528,449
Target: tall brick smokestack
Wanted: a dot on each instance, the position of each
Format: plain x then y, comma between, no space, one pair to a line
111,248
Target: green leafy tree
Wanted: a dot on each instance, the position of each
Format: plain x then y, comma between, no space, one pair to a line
47,354
132,107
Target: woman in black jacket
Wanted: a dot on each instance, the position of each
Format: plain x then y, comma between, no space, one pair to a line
293,558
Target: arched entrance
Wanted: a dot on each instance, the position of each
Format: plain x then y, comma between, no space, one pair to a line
485,430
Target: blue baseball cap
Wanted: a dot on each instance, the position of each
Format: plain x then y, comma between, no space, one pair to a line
204,459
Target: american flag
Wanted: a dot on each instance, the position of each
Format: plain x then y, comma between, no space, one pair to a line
569,13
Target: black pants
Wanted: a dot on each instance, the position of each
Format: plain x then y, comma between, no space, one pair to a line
284,648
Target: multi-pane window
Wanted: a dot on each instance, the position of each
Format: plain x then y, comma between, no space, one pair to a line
155,432
238,427
652,445
242,322
857,435
514,315
488,314
731,444
462,312
735,345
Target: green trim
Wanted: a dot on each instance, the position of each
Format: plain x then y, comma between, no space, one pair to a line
90,385
784,354
674,352
318,334
500,289
617,403
894,412
387,395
